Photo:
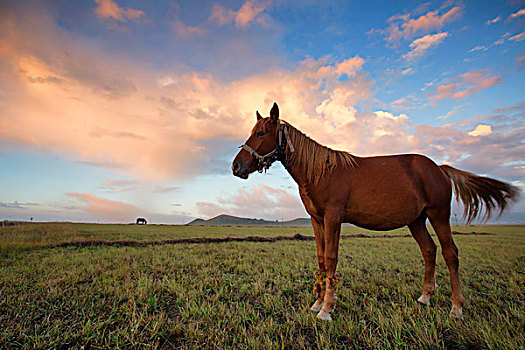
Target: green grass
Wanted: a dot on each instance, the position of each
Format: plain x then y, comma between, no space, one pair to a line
250,295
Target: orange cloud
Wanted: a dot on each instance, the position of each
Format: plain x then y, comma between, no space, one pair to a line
115,112
518,37
466,84
109,9
517,14
421,45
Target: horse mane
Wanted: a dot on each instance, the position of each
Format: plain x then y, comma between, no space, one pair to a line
316,159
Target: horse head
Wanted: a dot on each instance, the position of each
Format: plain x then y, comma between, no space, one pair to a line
262,147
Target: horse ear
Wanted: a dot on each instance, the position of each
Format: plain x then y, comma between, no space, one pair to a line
258,115
274,113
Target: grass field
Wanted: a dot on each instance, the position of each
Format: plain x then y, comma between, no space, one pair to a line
250,295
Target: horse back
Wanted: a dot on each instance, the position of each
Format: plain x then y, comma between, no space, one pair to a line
385,192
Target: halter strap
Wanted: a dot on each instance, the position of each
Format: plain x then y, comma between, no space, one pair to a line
279,153
256,155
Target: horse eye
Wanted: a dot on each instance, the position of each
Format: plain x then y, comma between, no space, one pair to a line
260,134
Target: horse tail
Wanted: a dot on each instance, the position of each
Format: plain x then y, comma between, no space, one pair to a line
478,192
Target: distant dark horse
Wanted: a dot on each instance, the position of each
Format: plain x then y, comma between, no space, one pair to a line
141,221
378,193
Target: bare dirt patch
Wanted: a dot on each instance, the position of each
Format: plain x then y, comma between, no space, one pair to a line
201,240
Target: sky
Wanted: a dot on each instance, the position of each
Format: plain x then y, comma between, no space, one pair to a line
114,109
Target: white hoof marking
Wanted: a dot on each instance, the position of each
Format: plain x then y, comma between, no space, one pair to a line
456,313
325,316
424,300
317,306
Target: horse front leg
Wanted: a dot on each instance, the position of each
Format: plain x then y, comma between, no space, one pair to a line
332,230
320,275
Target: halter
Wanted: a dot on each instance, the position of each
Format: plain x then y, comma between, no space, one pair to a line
279,153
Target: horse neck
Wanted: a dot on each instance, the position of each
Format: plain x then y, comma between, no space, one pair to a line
304,166
297,172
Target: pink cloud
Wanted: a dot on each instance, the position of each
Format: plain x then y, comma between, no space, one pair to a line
259,202
249,12
114,15
444,91
99,108
221,15
106,208
466,84
187,32
406,28
210,209
349,67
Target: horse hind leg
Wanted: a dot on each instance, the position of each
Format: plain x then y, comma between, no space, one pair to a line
319,286
440,222
427,246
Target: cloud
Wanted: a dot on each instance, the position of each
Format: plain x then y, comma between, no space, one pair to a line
117,186
481,130
494,20
517,14
466,84
348,67
521,62
518,37
478,48
99,108
210,209
405,103
113,15
249,12
187,32
421,45
404,27
16,205
106,208
165,189
261,201
381,132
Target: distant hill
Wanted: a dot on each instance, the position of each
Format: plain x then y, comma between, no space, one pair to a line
229,220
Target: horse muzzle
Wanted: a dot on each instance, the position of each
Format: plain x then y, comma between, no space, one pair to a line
239,170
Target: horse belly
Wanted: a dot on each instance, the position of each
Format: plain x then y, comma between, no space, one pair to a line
384,207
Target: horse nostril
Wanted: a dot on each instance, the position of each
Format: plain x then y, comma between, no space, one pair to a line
235,167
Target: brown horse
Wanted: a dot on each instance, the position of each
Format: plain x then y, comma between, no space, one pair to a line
378,193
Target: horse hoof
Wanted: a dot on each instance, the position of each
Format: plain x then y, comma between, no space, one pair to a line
325,316
456,313
317,306
424,300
